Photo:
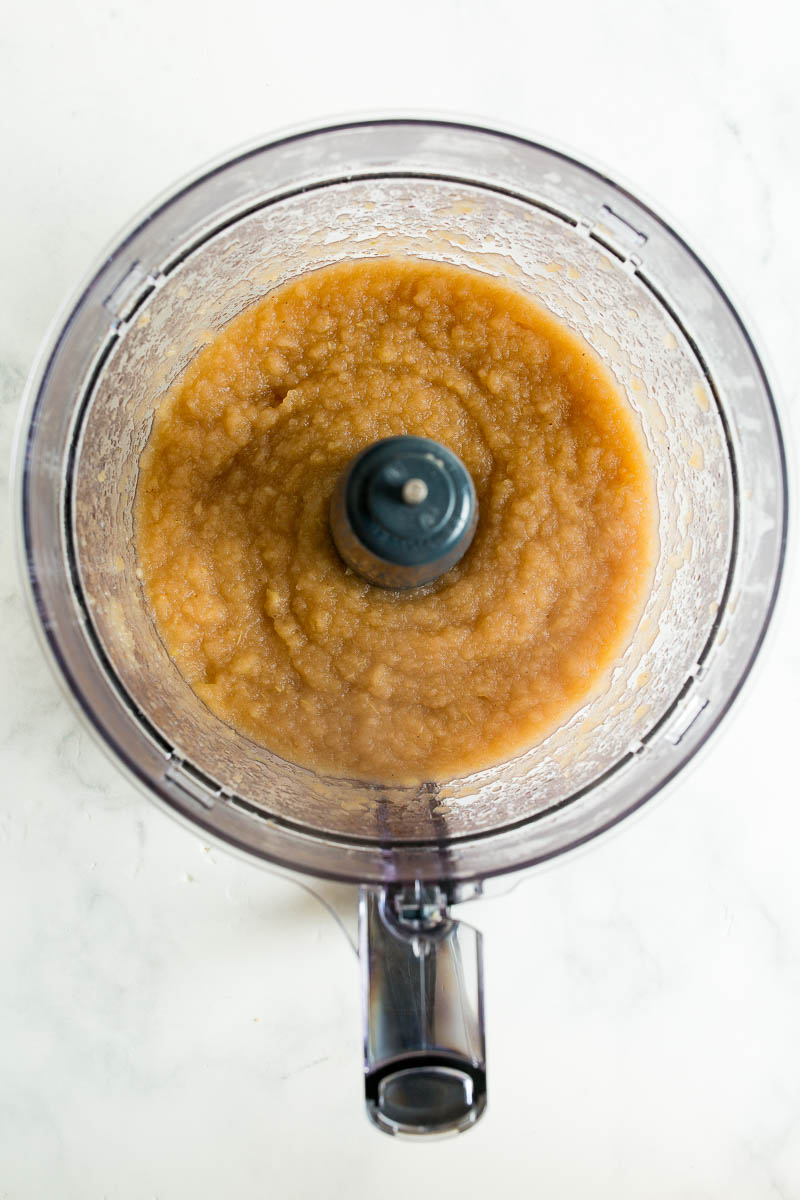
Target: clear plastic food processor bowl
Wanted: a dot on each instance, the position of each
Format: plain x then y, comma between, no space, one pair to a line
608,267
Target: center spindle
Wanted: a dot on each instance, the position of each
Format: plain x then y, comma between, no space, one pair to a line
403,512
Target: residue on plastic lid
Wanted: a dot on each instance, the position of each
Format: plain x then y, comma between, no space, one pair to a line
701,396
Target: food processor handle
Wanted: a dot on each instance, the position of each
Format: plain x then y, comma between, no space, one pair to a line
422,981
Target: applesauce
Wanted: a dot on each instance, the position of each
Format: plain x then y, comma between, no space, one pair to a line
249,595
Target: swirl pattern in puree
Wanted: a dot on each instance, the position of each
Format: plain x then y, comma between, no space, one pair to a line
249,595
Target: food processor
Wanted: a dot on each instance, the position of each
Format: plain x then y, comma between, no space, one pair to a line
604,264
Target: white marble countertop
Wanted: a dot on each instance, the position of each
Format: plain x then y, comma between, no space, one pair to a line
175,1023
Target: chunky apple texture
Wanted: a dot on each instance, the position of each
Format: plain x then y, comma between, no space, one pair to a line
263,619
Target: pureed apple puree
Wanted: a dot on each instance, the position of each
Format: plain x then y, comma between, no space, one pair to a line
249,595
